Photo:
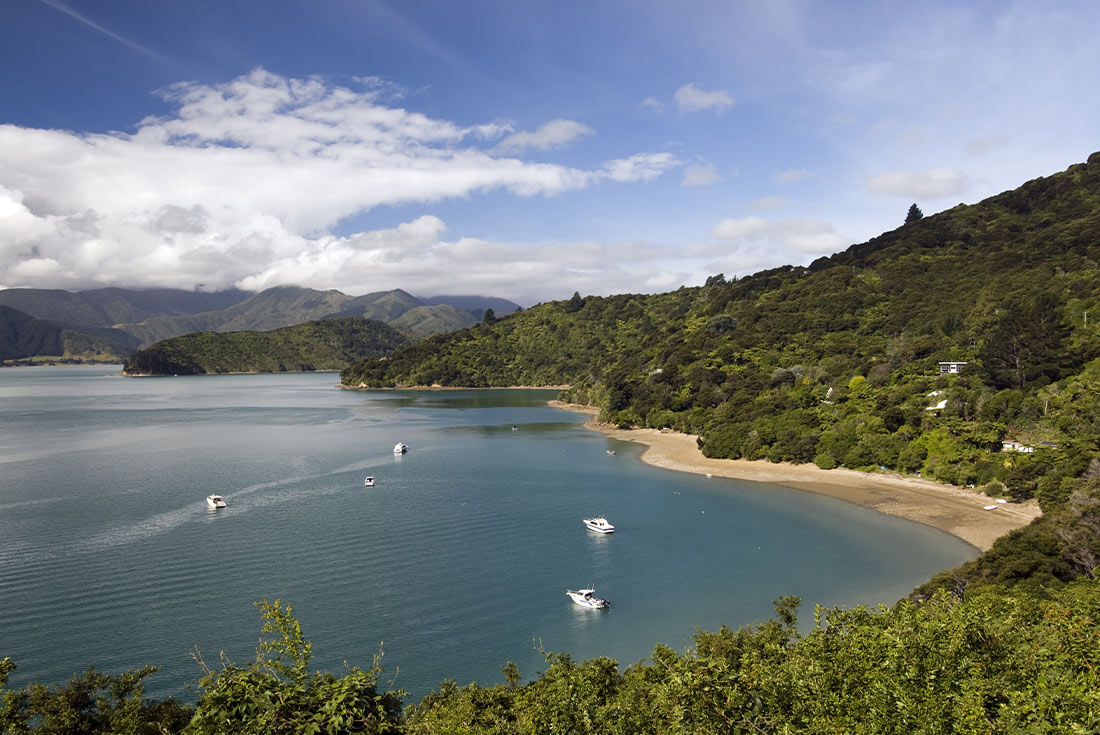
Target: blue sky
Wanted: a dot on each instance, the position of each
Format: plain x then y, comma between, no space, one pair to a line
516,149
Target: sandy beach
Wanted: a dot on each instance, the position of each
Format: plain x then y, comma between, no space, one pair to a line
952,509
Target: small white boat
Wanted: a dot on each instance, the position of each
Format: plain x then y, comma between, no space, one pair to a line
215,501
610,451
587,598
369,482
599,524
400,448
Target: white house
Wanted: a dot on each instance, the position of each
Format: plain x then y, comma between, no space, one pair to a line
1011,445
948,368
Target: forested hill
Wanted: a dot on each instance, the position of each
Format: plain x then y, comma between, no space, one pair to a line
329,344
837,362
23,338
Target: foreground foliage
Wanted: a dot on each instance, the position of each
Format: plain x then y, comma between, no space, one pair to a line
994,662
277,693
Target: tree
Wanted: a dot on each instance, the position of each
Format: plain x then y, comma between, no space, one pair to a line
490,317
92,702
1027,344
278,694
914,213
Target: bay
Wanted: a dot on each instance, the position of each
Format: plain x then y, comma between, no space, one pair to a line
455,562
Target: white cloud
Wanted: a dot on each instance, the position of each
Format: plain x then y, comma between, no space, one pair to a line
786,238
553,134
933,184
700,174
18,226
640,167
417,253
792,175
765,203
690,98
248,177
652,103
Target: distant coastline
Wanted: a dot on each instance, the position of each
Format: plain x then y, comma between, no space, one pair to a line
957,511
227,372
458,387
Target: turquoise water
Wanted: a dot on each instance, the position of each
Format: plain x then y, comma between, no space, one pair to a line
457,560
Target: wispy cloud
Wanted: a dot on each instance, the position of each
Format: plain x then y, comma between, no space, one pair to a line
792,175
554,134
700,174
767,203
932,184
79,17
808,236
690,98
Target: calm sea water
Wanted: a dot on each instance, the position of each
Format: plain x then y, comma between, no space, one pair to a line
457,560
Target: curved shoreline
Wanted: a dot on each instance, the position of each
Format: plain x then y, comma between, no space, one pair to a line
955,510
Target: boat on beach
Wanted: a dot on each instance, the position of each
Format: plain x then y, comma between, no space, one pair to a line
587,598
599,524
215,501
400,448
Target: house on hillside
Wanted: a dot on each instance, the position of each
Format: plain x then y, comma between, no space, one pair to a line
950,368
1011,445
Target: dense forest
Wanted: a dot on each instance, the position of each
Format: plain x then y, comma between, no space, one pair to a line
837,363
328,344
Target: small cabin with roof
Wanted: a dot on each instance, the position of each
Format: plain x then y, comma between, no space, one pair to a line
950,368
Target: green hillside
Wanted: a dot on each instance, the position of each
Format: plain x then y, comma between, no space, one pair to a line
24,338
21,335
330,344
838,363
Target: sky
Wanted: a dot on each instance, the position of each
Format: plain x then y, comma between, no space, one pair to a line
522,150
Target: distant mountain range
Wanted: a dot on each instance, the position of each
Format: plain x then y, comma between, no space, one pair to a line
110,324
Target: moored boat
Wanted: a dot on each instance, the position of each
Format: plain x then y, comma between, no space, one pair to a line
368,482
599,524
587,598
215,501
400,448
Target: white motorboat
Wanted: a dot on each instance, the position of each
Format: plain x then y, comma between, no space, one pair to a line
215,501
368,482
400,448
599,524
587,598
